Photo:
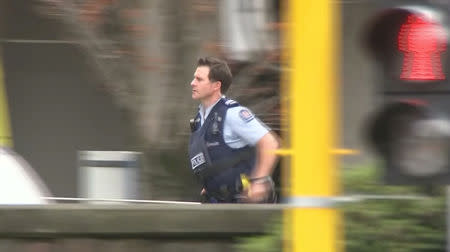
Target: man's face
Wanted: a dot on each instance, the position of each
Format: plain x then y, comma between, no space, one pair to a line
202,87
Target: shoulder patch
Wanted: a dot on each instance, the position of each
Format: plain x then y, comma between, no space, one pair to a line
246,115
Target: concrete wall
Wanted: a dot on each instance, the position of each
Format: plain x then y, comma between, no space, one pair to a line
120,228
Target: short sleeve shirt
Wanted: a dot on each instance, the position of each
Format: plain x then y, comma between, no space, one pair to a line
241,127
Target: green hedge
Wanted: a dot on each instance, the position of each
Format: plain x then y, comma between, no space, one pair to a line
394,225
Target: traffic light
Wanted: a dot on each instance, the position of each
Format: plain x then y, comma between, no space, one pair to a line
411,130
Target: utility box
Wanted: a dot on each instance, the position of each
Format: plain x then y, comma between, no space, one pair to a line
109,175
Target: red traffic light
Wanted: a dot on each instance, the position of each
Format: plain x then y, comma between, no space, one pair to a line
422,41
411,132
410,43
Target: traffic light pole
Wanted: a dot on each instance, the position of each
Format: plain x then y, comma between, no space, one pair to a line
312,47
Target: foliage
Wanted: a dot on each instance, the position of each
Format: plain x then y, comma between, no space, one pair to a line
392,225
272,242
372,225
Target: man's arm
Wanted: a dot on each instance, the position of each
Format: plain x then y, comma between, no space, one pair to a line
266,157
265,164
255,133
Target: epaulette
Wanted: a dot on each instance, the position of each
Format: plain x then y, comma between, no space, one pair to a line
231,103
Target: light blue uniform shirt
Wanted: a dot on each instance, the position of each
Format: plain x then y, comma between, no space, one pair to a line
241,127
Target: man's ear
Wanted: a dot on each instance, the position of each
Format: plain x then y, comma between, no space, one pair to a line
219,84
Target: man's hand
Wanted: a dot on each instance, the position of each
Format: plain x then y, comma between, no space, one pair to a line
259,192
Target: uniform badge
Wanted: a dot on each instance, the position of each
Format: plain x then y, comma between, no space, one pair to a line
197,160
246,115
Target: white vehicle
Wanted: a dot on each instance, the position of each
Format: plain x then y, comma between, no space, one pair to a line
19,182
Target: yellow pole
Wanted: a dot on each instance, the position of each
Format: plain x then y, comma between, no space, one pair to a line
313,45
5,128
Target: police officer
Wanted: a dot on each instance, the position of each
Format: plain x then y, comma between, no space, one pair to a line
231,151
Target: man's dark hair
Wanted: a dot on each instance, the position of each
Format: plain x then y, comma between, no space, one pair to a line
218,71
